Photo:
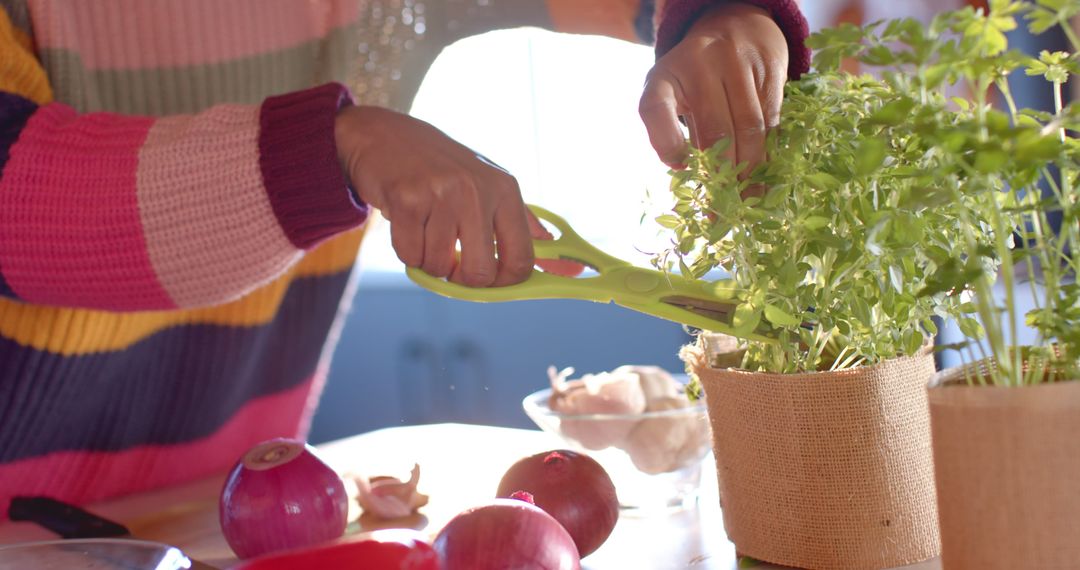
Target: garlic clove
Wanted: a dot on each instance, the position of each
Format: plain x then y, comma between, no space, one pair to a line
615,393
390,498
660,445
558,378
604,393
656,383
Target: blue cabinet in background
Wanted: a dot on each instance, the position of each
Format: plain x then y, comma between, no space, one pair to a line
408,356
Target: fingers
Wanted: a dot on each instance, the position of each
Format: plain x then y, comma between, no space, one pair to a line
771,95
537,229
772,99
659,110
710,115
482,212
407,234
476,232
748,121
513,242
562,267
440,240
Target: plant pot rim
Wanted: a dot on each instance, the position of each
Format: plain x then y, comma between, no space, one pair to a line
954,378
957,383
813,375
948,389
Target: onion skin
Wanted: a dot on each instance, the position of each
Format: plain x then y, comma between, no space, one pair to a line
396,549
506,534
571,487
281,496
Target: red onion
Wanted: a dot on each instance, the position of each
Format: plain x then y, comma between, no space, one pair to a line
393,549
280,496
573,488
505,534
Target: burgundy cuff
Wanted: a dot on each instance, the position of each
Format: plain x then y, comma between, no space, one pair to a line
299,161
680,15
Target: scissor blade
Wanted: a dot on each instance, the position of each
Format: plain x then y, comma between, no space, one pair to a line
723,312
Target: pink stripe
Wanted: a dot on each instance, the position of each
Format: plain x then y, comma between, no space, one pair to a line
70,232
210,229
141,34
81,477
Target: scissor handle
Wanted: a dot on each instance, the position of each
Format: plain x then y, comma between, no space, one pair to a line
539,285
570,245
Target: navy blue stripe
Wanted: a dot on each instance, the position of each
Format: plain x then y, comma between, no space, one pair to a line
5,289
643,22
178,385
15,111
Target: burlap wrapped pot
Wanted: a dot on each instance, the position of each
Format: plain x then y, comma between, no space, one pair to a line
827,470
1007,460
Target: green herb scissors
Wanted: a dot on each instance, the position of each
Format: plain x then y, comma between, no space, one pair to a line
705,305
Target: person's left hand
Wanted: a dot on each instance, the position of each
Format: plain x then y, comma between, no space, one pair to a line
726,79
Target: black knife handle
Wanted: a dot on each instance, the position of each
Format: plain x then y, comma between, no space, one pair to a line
66,520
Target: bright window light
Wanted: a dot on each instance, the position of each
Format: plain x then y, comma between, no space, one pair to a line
559,112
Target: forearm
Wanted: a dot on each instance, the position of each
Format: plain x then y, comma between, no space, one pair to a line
122,212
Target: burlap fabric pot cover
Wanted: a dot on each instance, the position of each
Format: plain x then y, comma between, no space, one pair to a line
1007,462
829,470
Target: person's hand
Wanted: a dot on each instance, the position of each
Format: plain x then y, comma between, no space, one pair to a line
436,192
726,79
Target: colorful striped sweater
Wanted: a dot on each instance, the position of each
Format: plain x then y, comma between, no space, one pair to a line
176,236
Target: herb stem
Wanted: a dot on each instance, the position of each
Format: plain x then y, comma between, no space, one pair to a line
1058,107
1071,35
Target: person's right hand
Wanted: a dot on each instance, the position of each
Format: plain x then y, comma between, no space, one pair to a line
436,192
726,79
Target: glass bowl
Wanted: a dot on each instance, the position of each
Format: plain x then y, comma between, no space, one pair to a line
654,458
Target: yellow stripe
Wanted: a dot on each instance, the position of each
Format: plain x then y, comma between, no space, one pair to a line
613,18
69,331
20,72
333,255
23,39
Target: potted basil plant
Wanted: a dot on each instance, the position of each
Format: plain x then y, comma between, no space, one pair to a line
850,255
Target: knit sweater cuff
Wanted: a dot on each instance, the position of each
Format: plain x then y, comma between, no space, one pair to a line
298,158
679,15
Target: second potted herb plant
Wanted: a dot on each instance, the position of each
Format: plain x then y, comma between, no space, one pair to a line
1004,425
